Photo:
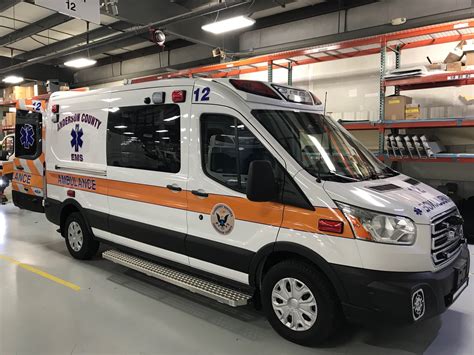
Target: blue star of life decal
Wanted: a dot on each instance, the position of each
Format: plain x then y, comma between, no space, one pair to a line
418,211
27,136
76,141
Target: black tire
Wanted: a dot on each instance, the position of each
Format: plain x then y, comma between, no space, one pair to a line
89,246
328,310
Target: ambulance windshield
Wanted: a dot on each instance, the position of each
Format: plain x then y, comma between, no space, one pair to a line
321,146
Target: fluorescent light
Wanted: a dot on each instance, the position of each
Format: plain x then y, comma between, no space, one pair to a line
162,131
80,63
171,119
113,109
129,133
231,24
120,127
461,25
13,79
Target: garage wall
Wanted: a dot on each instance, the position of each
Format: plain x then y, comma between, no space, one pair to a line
359,18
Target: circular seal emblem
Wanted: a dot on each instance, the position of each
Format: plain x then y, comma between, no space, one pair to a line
222,219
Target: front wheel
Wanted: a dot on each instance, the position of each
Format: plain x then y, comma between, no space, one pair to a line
79,240
299,303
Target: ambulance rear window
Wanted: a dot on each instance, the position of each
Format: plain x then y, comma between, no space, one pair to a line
28,142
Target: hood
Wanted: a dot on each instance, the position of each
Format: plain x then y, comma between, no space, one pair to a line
399,195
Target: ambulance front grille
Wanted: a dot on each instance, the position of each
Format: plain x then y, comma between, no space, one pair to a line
192,283
446,238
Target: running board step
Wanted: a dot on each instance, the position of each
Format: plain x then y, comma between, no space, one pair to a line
194,284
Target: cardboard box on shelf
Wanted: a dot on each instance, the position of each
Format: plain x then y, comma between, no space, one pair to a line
454,66
395,107
436,66
456,54
10,119
412,112
469,58
26,91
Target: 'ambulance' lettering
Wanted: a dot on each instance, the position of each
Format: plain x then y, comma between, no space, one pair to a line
22,178
77,182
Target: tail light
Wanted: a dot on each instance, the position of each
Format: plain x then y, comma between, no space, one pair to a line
178,96
55,109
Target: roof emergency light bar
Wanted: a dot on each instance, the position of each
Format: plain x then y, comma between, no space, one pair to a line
254,87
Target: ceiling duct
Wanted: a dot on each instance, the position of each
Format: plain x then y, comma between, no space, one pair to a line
135,31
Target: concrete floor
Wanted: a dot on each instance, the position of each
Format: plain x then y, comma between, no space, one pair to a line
119,311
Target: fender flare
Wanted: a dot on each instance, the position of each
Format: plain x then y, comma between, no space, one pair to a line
60,206
258,261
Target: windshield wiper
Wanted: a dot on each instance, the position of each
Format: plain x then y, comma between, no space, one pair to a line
332,173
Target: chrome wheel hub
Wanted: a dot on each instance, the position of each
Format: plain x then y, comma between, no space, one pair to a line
294,304
75,237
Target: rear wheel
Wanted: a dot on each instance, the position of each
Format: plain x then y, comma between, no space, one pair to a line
299,303
79,241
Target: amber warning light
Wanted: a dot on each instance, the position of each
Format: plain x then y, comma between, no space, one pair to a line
326,225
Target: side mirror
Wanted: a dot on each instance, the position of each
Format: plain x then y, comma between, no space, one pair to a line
261,185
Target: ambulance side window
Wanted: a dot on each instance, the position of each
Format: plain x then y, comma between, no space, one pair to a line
228,148
145,137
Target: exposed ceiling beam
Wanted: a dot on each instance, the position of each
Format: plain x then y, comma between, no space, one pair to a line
75,41
128,34
40,72
143,52
309,11
6,4
199,62
34,28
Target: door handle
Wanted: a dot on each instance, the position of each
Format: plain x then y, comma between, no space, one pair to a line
200,193
174,188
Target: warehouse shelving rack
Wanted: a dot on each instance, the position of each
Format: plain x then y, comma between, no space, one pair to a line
380,44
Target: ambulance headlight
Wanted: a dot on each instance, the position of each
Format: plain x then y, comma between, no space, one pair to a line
378,227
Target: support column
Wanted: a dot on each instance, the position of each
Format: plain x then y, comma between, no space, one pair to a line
383,52
397,66
290,74
270,71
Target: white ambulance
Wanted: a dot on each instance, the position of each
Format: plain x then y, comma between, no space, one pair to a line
244,191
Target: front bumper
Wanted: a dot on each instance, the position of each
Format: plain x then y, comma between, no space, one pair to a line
394,297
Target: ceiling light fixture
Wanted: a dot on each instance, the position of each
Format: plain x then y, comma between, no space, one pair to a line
80,63
230,24
13,79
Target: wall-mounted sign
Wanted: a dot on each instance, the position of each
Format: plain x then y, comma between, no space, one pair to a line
88,10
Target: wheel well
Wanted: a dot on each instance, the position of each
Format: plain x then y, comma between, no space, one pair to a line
278,256
65,213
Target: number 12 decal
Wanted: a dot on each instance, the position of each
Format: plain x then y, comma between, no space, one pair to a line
202,95
37,105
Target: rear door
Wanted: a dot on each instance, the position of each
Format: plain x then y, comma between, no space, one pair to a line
147,169
28,166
